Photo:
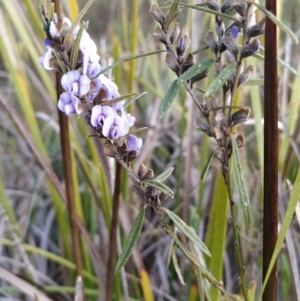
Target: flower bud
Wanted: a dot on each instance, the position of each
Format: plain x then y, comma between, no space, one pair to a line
240,8
212,4
250,48
220,154
157,14
204,127
142,171
246,74
240,116
220,118
160,34
188,62
172,63
220,29
211,41
183,44
175,33
230,44
226,6
200,76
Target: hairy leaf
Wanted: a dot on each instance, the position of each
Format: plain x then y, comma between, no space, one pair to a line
188,231
131,240
163,176
220,79
176,266
237,163
75,48
160,186
169,97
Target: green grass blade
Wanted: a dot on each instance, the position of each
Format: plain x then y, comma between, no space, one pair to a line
176,266
253,82
207,165
168,99
188,231
292,203
131,240
172,13
75,48
220,79
238,170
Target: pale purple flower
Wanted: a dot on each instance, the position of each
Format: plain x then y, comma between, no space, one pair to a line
99,114
76,83
110,88
68,103
114,127
92,70
53,30
45,60
94,89
128,119
134,144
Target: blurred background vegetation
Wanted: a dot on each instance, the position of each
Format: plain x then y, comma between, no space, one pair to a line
35,237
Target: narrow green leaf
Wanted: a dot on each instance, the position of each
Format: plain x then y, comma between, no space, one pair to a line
188,231
220,79
253,82
251,291
276,21
172,13
182,247
237,163
200,284
207,165
75,48
195,70
78,19
169,97
131,240
145,54
160,186
163,176
61,64
292,203
176,266
126,58
130,101
112,101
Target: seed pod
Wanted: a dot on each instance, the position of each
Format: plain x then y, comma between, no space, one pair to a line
240,141
109,150
220,29
211,41
213,104
175,33
157,14
257,29
246,74
250,48
172,63
142,171
204,127
200,76
240,116
220,154
218,134
149,175
183,44
220,118
227,5
188,62
160,34
240,8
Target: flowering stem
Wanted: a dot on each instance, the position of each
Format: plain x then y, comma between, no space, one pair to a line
113,235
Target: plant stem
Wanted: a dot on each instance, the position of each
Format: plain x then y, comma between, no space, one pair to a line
113,235
270,221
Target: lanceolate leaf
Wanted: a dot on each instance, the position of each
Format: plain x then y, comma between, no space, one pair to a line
131,240
168,99
188,231
163,176
112,101
241,181
160,186
78,19
130,101
276,21
293,201
177,268
172,13
75,48
253,82
207,165
220,79
195,70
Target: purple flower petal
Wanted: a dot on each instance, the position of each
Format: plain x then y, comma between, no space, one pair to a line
65,104
69,78
84,85
128,119
99,115
114,127
234,31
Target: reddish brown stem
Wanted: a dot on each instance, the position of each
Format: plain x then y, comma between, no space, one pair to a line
270,222
113,235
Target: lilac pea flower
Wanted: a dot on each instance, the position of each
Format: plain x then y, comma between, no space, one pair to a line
99,115
114,127
94,90
76,83
134,144
234,31
68,103
110,87
92,70
45,60
128,119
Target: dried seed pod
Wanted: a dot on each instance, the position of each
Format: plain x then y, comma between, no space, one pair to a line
172,63
257,29
175,33
240,8
218,134
213,104
200,76
183,44
204,127
157,14
246,74
109,150
250,48
188,62
149,175
240,141
160,34
220,118
227,5
240,116
212,4
220,154
211,41
220,29
229,42
142,171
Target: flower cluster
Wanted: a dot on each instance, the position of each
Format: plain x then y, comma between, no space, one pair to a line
86,89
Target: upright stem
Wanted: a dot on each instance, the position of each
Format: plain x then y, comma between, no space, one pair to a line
67,166
270,222
113,235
